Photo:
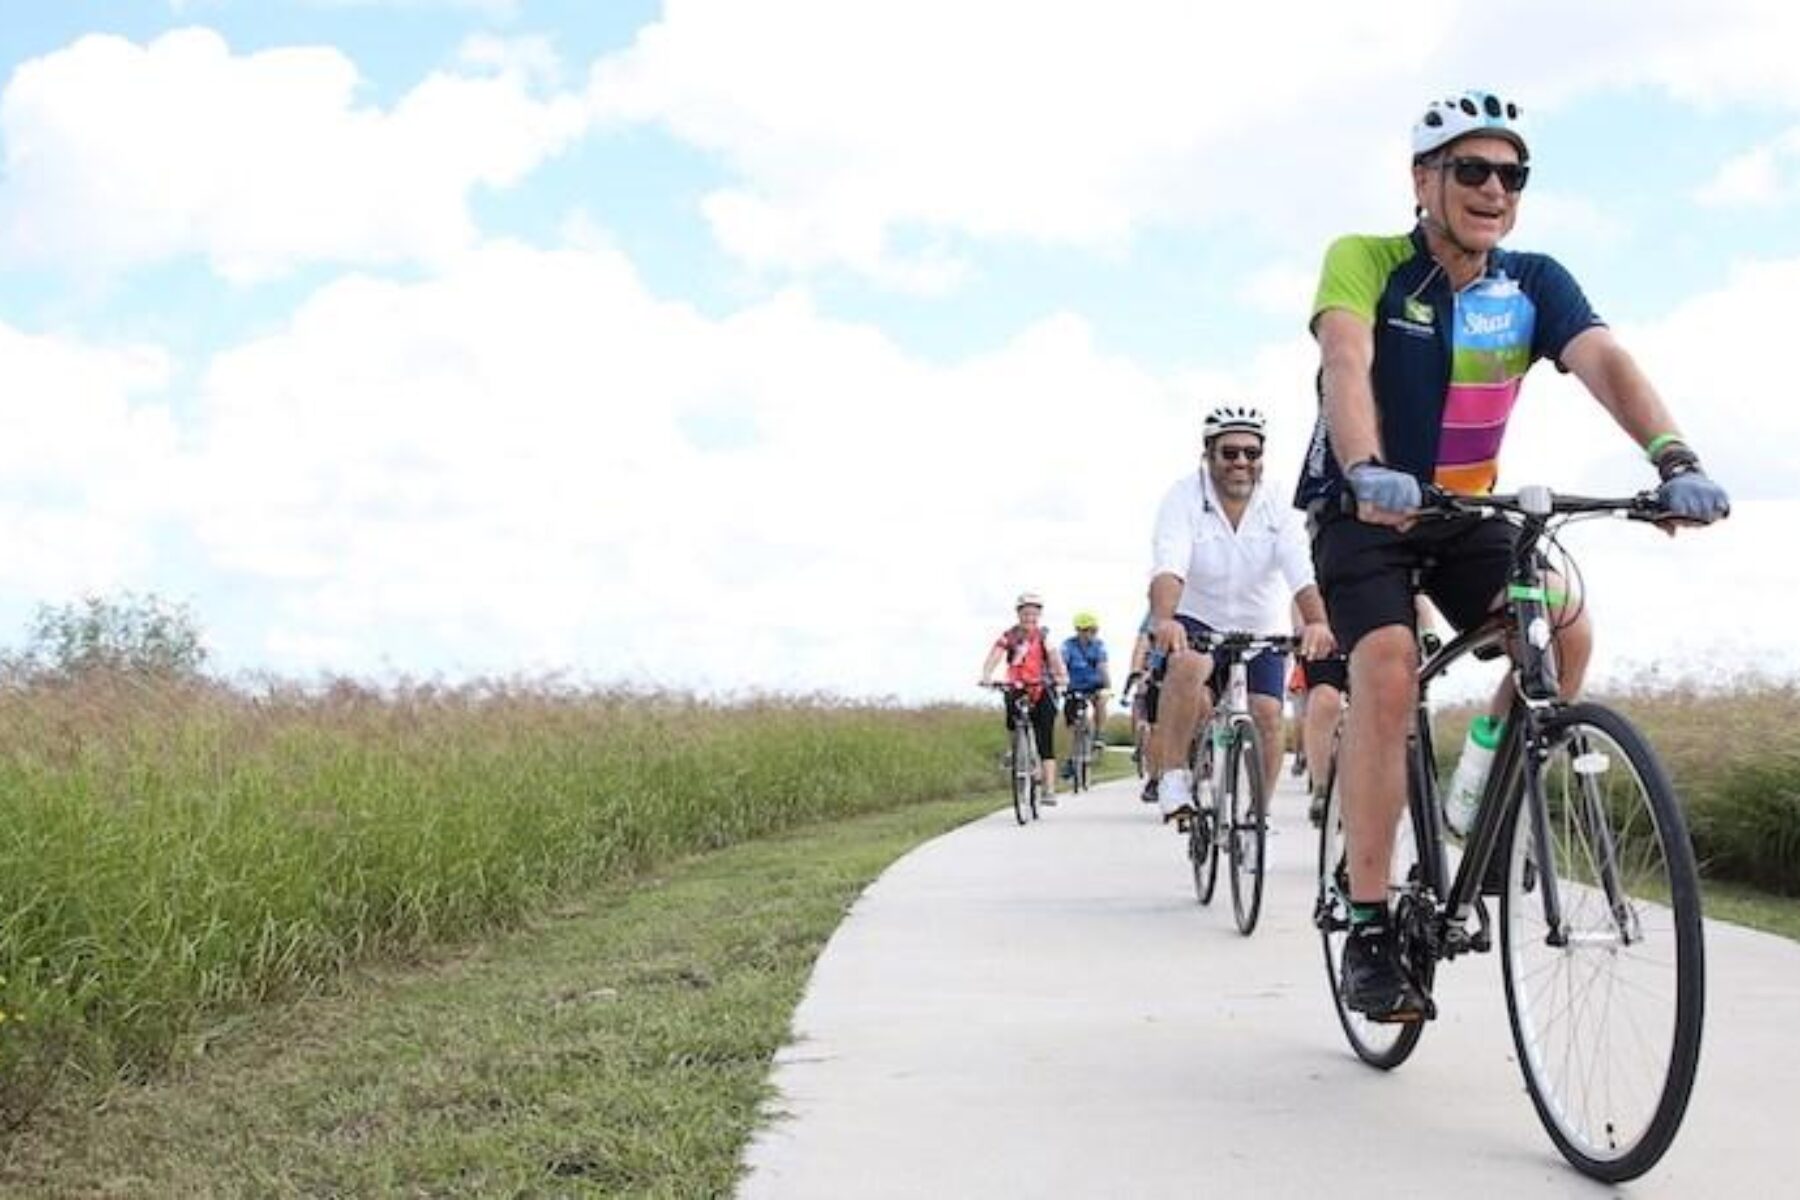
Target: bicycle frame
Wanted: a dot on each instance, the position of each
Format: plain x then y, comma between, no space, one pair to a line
1232,708
1607,1036
1524,626
1019,701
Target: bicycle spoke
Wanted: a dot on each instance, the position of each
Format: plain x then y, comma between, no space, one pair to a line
1607,1021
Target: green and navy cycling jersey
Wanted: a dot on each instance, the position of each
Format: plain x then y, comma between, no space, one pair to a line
1448,363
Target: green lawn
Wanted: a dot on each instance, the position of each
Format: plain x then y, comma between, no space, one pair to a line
615,1048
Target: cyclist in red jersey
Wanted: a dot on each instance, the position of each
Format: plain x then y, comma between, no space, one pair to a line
1035,664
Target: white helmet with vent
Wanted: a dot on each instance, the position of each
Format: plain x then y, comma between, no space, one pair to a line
1459,116
1233,418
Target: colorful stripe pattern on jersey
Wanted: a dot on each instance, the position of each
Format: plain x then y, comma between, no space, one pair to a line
1448,364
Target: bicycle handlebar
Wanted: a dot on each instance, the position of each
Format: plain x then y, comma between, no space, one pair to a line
1243,642
1540,503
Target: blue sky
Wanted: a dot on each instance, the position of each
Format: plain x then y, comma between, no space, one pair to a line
730,346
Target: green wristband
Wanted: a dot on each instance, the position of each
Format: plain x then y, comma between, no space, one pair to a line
1659,443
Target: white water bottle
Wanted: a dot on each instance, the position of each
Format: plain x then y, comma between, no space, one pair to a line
1463,796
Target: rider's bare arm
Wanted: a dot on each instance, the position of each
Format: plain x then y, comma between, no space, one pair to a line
1165,594
1607,370
1346,356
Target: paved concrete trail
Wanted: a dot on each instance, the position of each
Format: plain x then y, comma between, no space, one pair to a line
1046,1012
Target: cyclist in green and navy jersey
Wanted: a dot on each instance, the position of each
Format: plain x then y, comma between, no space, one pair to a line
1424,338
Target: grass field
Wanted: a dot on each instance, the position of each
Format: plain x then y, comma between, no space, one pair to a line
1734,758
172,856
616,1046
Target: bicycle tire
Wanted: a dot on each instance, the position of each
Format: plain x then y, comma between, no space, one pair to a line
1203,840
1024,777
1248,831
1611,1086
1380,1044
1084,751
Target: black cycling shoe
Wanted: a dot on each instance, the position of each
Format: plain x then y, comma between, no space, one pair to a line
1148,795
1315,810
1374,982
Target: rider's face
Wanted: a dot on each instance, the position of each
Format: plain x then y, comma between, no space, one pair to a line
1478,217
1229,460
1029,614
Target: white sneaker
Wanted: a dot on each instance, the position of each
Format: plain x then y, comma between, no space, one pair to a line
1175,793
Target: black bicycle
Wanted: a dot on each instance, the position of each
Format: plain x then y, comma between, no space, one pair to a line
1581,836
1229,789
1140,725
1022,762
1083,740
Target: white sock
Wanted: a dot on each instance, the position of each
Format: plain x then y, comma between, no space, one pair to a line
1174,789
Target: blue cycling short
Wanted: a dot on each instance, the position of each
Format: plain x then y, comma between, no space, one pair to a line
1266,673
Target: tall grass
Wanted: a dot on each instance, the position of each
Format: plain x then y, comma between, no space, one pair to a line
1734,757
171,855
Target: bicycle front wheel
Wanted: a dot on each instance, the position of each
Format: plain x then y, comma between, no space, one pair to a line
1248,830
1084,754
1380,1044
1203,841
1606,1003
1024,777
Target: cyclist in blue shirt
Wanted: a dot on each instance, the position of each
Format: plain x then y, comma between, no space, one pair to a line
1085,656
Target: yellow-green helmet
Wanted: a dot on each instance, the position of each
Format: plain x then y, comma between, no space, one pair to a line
1086,620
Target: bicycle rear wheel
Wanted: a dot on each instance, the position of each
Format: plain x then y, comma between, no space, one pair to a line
1024,777
1607,1021
1380,1044
1248,830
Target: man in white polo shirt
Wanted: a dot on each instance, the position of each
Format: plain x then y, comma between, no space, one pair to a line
1228,556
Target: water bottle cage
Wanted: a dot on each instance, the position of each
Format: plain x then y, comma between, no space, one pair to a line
1537,664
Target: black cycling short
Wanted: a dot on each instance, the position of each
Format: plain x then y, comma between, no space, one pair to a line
1069,704
1043,723
1331,671
1365,571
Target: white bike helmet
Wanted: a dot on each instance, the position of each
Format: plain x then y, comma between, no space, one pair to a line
1459,116
1026,598
1233,418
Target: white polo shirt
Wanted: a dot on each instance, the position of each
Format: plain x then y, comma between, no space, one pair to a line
1232,579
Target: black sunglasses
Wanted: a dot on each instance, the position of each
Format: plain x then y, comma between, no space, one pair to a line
1474,172
1233,453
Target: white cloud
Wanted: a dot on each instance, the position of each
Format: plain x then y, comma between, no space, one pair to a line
1006,120
1557,218
86,462
1283,289
531,462
118,155
1001,119
510,463
499,10
531,60
1761,177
